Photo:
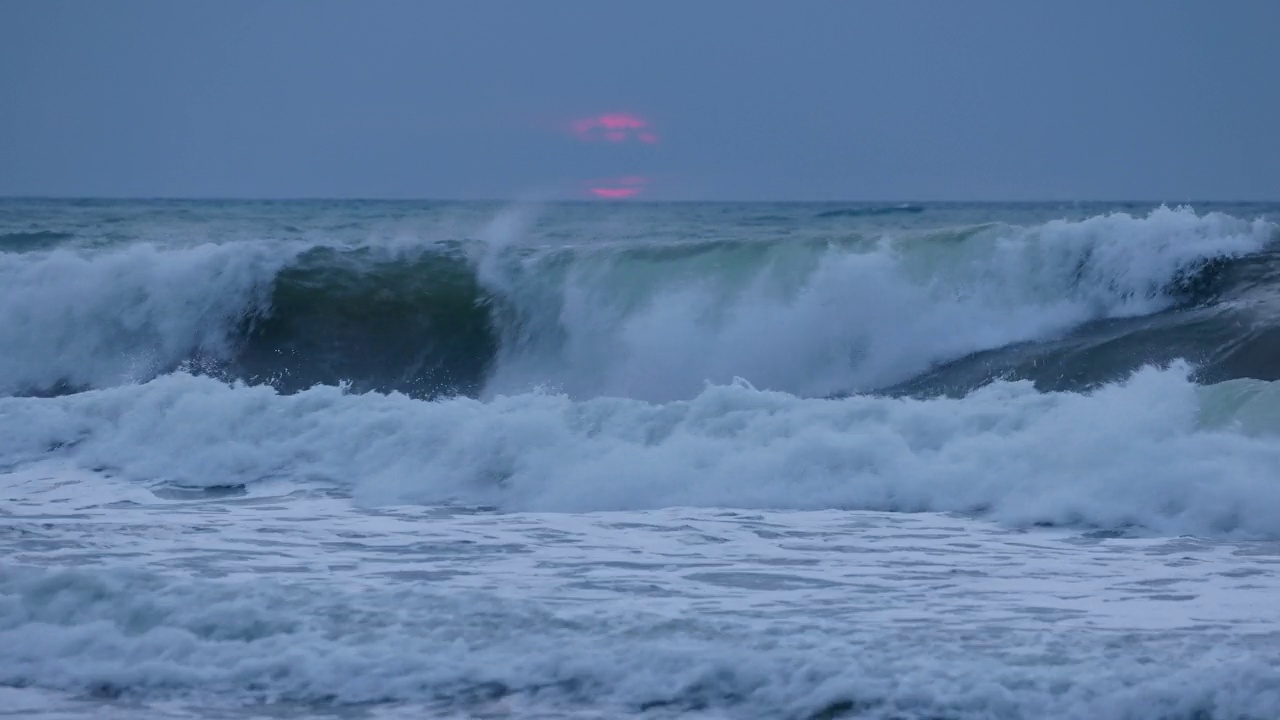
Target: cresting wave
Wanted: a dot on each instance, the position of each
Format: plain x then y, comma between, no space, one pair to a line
655,321
1157,452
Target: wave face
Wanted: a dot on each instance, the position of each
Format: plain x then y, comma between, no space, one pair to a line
594,310
421,324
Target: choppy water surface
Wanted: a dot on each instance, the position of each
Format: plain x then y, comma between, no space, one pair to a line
718,461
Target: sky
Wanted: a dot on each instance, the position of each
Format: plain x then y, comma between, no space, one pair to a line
1170,100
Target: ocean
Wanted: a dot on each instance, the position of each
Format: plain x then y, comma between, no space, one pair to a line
345,459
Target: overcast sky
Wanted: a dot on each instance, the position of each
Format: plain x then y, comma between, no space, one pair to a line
805,99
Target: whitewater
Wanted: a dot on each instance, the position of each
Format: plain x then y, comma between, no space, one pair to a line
408,459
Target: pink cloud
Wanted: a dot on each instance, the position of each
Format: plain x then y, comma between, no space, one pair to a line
615,121
615,193
618,188
613,127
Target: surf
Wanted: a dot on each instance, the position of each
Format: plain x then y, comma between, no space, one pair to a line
504,309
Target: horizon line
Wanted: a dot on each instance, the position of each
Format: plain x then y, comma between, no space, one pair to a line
628,201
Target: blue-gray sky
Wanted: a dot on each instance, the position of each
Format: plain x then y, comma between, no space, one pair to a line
975,100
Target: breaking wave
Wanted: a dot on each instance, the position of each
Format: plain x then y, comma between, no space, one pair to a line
1156,451
924,312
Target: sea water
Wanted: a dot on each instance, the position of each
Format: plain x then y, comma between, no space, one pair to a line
392,460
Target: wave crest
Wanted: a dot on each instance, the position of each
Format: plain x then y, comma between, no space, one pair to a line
813,316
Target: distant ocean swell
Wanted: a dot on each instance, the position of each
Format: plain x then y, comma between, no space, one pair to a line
1069,305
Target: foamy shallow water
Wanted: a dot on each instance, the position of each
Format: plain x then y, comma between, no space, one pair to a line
278,602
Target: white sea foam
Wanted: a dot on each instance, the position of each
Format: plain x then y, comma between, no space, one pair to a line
1156,451
303,602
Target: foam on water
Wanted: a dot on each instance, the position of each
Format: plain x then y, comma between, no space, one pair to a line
1156,451
298,605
